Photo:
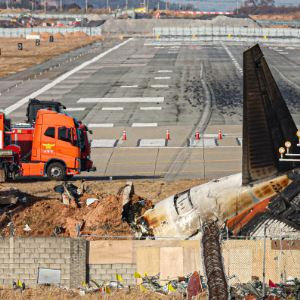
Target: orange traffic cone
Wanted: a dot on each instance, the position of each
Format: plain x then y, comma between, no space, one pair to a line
197,136
220,135
168,135
124,136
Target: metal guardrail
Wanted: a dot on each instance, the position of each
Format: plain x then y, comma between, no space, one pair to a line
19,32
225,31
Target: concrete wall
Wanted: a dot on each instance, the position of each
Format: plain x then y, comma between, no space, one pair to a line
242,258
107,272
20,258
80,260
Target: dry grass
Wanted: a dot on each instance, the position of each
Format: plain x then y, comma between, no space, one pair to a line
13,60
51,293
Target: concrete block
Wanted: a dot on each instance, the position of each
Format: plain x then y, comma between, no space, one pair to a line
111,271
117,266
55,266
127,276
128,266
55,255
18,271
121,271
28,260
59,261
130,271
106,266
45,255
107,277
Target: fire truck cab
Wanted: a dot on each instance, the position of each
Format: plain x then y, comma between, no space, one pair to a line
56,146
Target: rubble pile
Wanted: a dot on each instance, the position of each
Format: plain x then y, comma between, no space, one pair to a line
69,211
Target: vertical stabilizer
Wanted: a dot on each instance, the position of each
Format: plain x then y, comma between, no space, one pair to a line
267,122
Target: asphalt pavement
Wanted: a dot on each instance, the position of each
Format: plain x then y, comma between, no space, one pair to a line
146,88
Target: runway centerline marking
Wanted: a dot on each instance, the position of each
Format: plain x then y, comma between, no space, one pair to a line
158,86
163,78
112,108
129,86
150,108
123,100
75,108
144,125
164,71
61,78
99,125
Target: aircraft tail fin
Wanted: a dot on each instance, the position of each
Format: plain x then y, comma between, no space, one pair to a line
267,122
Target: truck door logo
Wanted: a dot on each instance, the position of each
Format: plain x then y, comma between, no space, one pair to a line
48,148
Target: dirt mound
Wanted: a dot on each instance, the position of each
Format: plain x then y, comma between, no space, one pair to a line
45,35
79,34
58,36
103,217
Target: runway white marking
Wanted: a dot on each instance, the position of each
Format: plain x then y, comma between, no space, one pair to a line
122,100
104,125
164,71
129,86
150,108
104,143
152,143
112,108
237,65
285,53
144,125
158,86
75,108
289,48
61,78
206,143
162,78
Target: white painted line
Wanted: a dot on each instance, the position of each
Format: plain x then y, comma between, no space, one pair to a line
129,86
61,78
207,143
112,108
285,53
122,100
104,125
158,86
236,64
75,108
144,125
164,71
152,143
163,78
289,48
104,143
150,108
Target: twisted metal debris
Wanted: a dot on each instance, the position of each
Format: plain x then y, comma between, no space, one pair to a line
213,262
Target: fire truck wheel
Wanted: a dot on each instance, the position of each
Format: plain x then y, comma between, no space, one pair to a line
56,171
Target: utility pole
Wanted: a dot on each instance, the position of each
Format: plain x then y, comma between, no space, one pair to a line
45,6
86,6
60,6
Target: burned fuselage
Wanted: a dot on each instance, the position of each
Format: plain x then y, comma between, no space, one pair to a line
181,215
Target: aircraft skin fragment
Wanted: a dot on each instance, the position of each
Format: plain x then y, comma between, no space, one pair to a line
181,215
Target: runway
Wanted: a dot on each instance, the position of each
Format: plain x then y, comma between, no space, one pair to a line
147,87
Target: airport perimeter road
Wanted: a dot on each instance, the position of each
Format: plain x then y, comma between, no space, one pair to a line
147,87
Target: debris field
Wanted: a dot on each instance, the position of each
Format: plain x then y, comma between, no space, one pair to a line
37,210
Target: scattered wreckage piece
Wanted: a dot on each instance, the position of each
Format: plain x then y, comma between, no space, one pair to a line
12,196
